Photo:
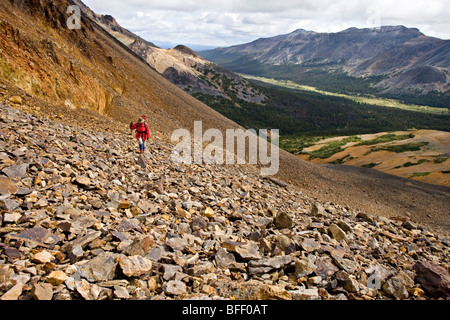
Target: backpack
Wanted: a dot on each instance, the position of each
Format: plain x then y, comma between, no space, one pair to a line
140,128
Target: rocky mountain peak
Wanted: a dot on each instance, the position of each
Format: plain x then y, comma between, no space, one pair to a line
390,52
111,22
303,32
109,18
396,30
186,50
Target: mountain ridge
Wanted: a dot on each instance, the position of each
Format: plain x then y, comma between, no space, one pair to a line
181,65
392,52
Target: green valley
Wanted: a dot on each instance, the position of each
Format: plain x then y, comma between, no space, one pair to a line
366,99
302,114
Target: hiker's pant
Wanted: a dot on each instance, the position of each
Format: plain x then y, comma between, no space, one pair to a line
141,144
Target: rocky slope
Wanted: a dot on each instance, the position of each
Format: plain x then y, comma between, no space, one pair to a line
81,220
406,59
89,77
88,69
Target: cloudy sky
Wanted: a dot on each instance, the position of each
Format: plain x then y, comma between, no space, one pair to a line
229,22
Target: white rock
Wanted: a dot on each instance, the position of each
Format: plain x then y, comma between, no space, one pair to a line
305,294
42,257
174,287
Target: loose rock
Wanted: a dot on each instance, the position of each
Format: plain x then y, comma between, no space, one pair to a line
56,278
175,288
7,187
80,219
284,221
266,265
13,293
16,99
398,285
336,232
305,294
42,291
134,266
434,279
304,267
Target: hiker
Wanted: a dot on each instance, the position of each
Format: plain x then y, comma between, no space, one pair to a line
142,132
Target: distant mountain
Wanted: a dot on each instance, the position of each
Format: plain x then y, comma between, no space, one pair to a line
394,58
186,69
193,46
181,65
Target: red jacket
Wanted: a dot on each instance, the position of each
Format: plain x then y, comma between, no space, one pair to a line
142,130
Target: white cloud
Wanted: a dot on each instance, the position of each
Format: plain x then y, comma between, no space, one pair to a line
228,22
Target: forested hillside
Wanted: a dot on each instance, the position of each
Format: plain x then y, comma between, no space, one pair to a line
296,112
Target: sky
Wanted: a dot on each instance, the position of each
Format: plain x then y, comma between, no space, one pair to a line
224,23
